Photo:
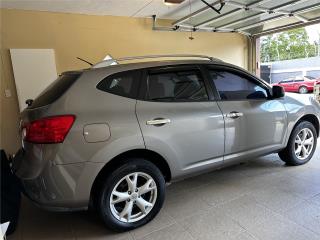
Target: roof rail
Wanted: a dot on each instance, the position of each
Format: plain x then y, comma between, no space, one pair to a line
108,62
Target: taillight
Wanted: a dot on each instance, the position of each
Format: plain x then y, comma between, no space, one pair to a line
48,130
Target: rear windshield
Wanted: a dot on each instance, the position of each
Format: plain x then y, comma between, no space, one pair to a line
55,89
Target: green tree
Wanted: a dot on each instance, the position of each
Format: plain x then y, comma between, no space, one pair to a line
287,45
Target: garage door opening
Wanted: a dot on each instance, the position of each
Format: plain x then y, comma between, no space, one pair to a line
291,59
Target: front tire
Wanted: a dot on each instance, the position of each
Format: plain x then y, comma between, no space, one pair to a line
132,195
301,145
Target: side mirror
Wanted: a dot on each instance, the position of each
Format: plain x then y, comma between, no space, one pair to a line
277,92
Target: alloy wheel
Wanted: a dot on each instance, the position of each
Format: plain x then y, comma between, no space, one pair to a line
303,90
133,197
304,143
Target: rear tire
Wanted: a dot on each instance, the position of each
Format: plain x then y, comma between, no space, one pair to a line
132,195
303,90
301,145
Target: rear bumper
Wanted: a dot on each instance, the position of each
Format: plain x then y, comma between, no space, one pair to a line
59,187
48,207
310,88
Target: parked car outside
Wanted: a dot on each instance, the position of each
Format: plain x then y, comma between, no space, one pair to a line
110,138
301,85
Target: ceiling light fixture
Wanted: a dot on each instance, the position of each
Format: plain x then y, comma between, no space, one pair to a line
172,2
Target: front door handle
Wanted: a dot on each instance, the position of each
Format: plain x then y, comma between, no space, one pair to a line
234,115
158,121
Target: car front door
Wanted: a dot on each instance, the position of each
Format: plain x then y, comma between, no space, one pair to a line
254,123
178,119
284,84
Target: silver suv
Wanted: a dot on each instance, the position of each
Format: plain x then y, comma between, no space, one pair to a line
112,137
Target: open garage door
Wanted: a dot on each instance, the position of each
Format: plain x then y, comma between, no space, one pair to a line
253,18
249,17
291,59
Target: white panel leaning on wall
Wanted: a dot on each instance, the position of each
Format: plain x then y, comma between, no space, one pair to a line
34,70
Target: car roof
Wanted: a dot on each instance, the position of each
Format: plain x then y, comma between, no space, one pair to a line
149,64
112,69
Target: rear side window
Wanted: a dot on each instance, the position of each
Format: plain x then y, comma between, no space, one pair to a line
125,84
177,86
56,89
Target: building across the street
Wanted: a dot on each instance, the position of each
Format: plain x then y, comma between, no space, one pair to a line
274,72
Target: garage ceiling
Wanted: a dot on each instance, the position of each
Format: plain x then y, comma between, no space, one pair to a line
250,17
131,8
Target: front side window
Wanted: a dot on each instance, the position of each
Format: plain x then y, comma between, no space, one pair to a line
176,86
232,86
124,84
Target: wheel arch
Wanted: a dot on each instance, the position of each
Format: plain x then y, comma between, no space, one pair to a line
302,86
312,119
122,158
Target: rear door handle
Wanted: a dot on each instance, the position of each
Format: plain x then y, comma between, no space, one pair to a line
158,121
234,115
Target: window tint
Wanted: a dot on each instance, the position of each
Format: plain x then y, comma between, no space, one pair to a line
235,87
176,86
55,89
124,84
286,81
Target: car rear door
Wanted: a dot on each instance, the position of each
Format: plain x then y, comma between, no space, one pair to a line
289,86
254,123
297,84
178,119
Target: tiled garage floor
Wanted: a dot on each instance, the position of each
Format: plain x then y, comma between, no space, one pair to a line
261,199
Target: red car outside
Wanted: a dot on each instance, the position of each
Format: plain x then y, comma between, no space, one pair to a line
300,85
